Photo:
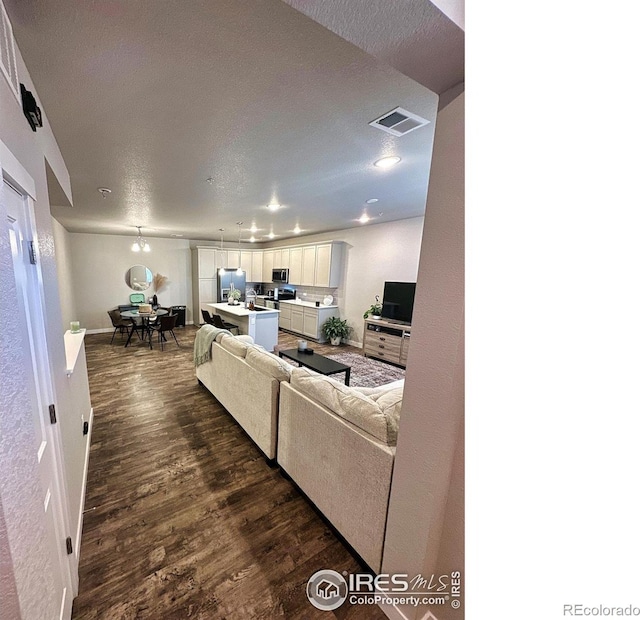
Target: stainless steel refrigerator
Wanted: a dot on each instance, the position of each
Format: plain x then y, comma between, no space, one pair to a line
225,278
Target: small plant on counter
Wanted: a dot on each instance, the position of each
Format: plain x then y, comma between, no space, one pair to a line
234,294
375,310
335,329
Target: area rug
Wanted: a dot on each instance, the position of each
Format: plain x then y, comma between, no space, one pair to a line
365,371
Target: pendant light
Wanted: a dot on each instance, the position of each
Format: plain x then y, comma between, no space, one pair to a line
222,270
239,270
140,243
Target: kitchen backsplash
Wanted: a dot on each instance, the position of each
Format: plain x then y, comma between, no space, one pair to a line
310,293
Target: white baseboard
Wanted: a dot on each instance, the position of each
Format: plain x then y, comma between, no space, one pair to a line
354,343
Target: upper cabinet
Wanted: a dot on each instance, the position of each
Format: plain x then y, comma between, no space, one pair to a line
221,259
328,267
295,266
206,262
308,277
309,265
245,264
256,266
268,265
233,259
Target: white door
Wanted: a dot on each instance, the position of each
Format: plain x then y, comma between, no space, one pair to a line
39,385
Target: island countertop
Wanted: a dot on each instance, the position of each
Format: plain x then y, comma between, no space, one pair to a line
240,310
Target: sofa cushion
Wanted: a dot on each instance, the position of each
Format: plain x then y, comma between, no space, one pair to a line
262,360
376,392
390,402
345,401
233,345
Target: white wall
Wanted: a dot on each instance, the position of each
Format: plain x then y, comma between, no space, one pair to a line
425,522
65,275
99,264
374,254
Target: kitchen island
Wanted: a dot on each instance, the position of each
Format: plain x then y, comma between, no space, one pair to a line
261,324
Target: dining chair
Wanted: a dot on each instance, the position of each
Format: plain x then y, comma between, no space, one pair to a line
165,323
124,325
216,321
207,317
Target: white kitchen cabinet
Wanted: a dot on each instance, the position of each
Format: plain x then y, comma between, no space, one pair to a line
295,266
297,320
285,316
276,260
284,261
256,266
310,325
206,263
306,320
245,263
233,259
308,266
221,259
267,265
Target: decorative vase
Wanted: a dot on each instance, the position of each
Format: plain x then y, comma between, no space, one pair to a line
376,317
335,341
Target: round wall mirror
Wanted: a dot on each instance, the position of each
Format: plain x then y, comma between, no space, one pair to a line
138,278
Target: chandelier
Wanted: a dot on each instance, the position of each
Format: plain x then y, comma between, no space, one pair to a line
140,243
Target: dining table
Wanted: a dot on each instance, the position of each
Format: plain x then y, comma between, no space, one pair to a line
145,319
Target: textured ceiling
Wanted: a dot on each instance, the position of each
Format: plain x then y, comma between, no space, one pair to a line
150,99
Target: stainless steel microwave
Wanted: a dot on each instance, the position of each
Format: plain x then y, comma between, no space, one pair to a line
280,275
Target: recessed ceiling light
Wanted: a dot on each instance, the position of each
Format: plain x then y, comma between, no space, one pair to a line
296,230
371,201
273,206
253,228
364,218
253,239
271,235
387,162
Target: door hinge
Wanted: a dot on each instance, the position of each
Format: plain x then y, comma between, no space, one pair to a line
32,253
69,546
52,414
85,428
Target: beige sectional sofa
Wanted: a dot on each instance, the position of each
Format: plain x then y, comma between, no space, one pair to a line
337,443
246,380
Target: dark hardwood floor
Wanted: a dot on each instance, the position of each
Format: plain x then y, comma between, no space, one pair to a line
184,518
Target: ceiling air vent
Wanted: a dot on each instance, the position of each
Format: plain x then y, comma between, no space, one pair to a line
399,122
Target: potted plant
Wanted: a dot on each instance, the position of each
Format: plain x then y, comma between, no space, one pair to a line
335,329
375,310
234,296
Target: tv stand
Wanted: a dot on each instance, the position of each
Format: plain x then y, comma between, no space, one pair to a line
387,340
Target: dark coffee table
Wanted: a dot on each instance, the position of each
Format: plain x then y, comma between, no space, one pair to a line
317,362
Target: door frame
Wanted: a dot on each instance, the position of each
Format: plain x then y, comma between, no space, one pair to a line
12,171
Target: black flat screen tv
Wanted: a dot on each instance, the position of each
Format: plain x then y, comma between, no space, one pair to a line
397,303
